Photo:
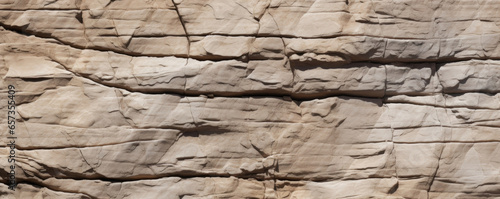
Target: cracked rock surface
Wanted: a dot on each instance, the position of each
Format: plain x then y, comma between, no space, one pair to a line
274,99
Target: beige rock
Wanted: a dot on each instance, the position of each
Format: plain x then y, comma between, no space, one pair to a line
281,99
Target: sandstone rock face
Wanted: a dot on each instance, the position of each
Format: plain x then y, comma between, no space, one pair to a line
276,99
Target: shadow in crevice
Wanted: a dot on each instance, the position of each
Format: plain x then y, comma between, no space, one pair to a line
204,130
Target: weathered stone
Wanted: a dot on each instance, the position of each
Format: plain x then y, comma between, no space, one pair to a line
250,99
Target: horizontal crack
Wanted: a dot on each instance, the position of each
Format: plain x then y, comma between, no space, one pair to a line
21,31
263,177
260,93
270,35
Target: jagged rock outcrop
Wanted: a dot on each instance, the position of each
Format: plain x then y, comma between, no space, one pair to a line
251,98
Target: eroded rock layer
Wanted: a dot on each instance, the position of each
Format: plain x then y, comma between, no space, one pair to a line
252,98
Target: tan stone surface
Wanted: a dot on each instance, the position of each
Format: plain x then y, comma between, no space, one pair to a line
252,99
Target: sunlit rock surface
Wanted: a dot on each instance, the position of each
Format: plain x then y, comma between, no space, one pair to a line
268,99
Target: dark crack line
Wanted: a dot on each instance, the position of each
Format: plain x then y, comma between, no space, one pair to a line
199,58
296,97
435,172
183,92
386,80
436,105
85,160
393,151
20,31
41,148
270,35
257,176
185,30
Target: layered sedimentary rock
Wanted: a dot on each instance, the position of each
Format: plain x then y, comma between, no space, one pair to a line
251,99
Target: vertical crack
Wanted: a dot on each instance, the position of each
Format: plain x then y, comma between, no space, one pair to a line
191,111
188,49
292,69
443,145
393,152
84,159
185,30
385,83
385,46
276,169
435,172
437,67
120,102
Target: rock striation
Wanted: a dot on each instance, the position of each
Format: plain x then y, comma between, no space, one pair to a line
275,99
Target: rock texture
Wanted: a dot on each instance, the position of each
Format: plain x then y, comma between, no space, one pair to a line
284,99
